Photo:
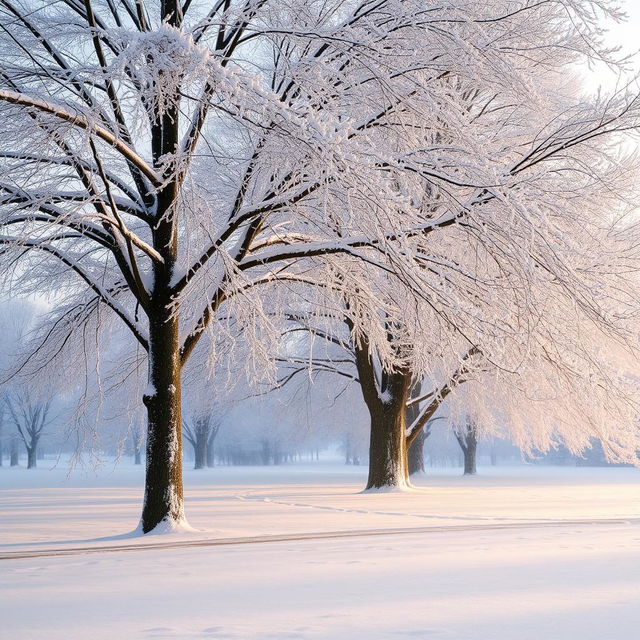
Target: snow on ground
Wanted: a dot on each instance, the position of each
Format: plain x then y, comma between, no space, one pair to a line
560,581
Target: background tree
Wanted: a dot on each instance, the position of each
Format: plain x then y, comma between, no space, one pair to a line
137,439
467,437
2,445
201,432
415,451
14,450
29,416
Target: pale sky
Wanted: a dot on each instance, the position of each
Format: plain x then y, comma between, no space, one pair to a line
625,35
629,33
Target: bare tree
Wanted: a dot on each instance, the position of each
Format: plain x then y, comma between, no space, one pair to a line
201,432
387,395
467,437
398,408
30,416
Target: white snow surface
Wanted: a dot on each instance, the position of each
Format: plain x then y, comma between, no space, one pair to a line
516,552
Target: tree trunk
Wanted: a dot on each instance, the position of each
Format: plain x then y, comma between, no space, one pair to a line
31,457
387,444
470,457
211,461
385,394
416,452
387,450
163,499
468,441
137,441
14,456
200,448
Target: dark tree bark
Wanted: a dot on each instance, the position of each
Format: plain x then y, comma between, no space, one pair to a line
387,410
32,457
387,444
137,456
389,441
163,497
468,441
14,455
416,455
385,395
198,436
200,454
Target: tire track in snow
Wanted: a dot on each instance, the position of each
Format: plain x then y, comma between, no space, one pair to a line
326,535
257,497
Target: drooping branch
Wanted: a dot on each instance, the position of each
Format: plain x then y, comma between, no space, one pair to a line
45,246
439,396
80,121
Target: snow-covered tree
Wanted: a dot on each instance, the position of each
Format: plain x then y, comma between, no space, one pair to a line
162,161
526,316
399,409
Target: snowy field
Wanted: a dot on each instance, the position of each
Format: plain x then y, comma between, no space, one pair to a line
296,552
